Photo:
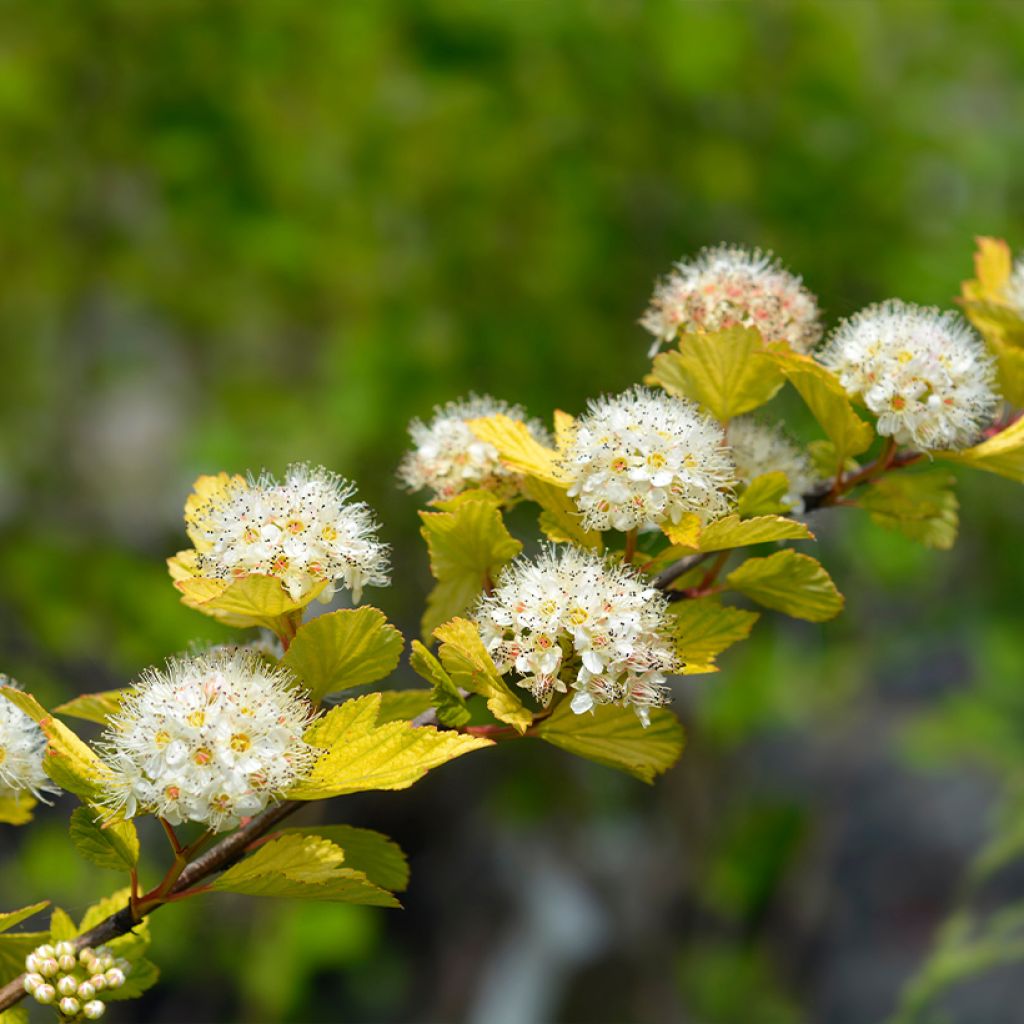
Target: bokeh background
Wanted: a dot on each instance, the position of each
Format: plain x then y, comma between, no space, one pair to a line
234,235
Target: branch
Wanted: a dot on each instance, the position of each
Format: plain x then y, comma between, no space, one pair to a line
219,857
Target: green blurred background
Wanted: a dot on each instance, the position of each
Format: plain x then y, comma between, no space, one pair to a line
234,235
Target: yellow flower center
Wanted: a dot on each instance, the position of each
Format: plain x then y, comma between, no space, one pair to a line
196,719
295,526
548,608
240,743
202,756
162,738
251,535
578,616
329,533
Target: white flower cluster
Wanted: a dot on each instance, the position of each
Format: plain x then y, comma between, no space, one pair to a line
569,617
214,738
644,457
22,745
925,374
448,458
56,974
727,286
759,448
303,531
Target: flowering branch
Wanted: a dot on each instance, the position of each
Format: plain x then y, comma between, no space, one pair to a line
216,859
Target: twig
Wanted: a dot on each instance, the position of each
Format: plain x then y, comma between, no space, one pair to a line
219,857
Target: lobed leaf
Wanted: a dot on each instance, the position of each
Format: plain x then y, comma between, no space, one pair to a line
468,545
614,736
17,810
560,520
764,495
342,649
114,845
252,600
68,761
1003,453
402,705
519,449
726,372
379,858
828,401
921,506
361,755
445,696
93,707
466,660
795,584
703,628
14,947
302,866
14,917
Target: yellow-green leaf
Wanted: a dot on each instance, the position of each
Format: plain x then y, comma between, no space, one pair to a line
1009,367
249,601
14,947
130,946
142,977
342,649
402,705
703,628
519,449
361,755
62,928
614,736
685,534
797,585
921,506
93,707
378,857
565,428
70,762
14,917
466,660
14,1015
560,520
451,707
302,866
731,531
727,372
828,401
17,810
468,546
1003,453
114,845
765,495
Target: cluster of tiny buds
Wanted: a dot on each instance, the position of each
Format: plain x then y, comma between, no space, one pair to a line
56,974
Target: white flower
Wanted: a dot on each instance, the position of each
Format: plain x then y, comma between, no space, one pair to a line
759,448
448,458
22,745
728,286
570,618
304,531
214,738
924,373
644,457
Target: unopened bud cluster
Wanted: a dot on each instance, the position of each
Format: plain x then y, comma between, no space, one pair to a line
72,982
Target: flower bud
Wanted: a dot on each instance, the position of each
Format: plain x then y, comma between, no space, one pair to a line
69,1006
45,951
67,963
86,991
32,962
86,953
98,982
63,949
45,994
115,977
32,982
94,1010
106,962
67,986
48,967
